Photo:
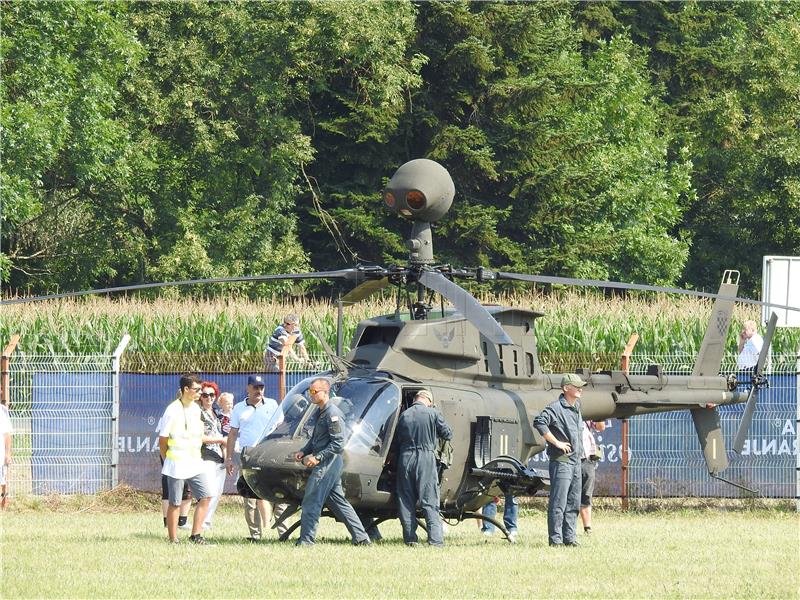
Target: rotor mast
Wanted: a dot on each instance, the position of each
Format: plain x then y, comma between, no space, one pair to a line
422,191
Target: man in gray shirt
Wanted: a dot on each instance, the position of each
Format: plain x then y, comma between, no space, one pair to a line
560,425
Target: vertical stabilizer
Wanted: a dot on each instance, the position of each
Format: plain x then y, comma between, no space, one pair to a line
711,352
709,360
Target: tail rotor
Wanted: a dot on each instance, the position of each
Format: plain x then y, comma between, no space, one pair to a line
758,381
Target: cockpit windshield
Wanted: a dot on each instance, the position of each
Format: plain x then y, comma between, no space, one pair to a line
369,406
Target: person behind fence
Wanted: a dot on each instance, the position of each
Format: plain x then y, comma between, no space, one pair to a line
510,516
213,449
560,425
418,431
180,439
249,420
749,346
289,327
589,460
6,431
186,496
323,454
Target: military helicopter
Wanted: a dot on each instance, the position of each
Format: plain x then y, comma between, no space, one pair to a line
481,366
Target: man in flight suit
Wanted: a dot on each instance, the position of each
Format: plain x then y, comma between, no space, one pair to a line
323,454
418,431
560,423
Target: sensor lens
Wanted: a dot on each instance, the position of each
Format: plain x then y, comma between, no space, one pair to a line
415,200
388,197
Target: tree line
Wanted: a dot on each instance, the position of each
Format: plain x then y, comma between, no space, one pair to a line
647,142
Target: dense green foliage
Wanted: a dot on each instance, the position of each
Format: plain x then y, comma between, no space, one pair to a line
146,141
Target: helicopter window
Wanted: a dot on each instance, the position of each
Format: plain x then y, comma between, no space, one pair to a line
371,407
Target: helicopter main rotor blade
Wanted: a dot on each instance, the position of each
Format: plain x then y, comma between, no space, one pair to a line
348,274
467,305
501,275
365,290
752,398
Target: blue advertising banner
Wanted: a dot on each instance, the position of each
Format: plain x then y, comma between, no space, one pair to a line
143,399
665,457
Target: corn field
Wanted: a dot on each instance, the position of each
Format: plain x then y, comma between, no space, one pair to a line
572,323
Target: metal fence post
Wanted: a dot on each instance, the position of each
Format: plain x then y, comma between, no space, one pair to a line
115,367
625,363
797,435
5,371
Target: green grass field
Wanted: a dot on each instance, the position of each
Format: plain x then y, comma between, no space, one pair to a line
699,553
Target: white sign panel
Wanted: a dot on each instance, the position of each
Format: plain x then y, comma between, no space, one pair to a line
780,283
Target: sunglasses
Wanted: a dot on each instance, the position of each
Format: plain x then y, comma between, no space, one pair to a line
205,395
312,392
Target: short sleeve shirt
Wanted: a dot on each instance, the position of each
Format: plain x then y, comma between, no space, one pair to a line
252,421
276,344
176,421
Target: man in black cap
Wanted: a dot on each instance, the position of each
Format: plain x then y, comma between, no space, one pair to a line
560,424
249,420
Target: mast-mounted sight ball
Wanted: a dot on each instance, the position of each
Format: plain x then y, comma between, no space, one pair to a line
420,190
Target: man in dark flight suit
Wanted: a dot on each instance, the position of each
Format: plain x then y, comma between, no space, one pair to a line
323,454
418,431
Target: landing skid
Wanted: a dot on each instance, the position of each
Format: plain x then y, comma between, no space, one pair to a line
492,520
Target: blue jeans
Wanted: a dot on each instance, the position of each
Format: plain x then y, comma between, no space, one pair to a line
510,514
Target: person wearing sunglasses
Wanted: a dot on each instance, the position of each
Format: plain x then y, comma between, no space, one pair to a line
249,421
180,439
323,455
213,449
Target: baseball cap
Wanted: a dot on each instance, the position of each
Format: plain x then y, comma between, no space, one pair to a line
572,379
255,380
424,394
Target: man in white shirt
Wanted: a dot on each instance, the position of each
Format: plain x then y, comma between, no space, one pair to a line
180,438
750,344
251,420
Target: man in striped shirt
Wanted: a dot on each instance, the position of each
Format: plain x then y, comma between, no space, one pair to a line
290,327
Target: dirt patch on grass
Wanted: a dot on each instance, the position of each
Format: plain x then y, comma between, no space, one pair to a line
118,500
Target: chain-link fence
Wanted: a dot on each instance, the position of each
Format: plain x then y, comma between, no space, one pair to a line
62,410
665,455
84,423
